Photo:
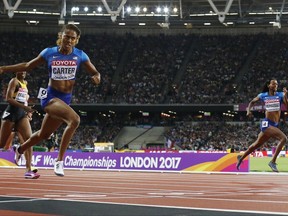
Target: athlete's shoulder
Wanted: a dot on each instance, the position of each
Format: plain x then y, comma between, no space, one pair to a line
263,94
13,83
280,94
52,49
49,50
14,80
83,56
77,51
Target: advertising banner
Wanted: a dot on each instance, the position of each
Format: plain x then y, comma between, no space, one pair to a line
257,107
217,162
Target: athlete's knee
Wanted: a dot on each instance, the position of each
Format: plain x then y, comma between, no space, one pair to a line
42,135
74,121
284,139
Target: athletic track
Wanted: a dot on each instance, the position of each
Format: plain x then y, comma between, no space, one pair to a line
142,193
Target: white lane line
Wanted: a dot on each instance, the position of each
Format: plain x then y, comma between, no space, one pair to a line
174,194
85,195
15,201
231,200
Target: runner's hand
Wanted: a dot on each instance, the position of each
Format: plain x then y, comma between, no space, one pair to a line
29,109
29,115
96,78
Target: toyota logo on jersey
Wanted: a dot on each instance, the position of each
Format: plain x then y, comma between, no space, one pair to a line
63,70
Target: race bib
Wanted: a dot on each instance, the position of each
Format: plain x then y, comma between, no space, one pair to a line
42,93
63,70
264,124
272,104
22,95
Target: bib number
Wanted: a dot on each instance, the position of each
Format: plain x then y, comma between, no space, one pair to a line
264,124
42,94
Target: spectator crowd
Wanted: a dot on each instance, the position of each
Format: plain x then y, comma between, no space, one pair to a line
163,69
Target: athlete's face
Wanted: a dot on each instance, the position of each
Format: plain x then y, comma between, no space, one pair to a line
273,85
21,75
69,39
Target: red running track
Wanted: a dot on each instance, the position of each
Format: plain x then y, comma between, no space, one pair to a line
262,193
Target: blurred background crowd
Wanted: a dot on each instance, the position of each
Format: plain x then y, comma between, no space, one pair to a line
163,69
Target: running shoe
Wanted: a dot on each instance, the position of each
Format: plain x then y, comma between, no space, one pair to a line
273,166
17,155
239,161
34,169
31,175
59,168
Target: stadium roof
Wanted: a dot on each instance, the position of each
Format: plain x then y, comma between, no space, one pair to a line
170,14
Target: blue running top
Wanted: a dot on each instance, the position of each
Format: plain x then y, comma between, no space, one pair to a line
63,67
